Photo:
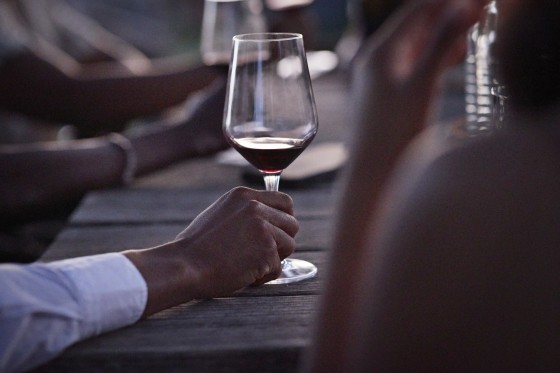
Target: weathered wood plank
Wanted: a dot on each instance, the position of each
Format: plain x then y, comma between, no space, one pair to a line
87,240
260,360
177,205
252,334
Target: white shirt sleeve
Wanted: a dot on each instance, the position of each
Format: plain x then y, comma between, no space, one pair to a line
46,307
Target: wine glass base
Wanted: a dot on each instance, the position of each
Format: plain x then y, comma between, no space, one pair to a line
294,270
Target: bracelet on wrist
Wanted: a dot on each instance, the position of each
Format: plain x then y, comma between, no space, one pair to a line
131,160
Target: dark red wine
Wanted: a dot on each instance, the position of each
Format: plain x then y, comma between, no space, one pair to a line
270,154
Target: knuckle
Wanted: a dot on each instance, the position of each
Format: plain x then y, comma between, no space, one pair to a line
288,248
293,225
240,193
263,264
275,271
287,201
289,224
259,226
253,208
264,268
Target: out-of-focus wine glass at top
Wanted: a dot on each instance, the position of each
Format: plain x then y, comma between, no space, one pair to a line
223,19
270,115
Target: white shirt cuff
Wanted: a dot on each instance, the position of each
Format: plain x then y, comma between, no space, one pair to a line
110,289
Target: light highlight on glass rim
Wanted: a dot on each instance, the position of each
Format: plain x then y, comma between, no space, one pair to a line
268,36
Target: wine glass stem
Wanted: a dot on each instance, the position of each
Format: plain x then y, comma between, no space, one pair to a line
271,182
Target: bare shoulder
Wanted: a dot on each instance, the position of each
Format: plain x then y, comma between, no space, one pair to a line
501,187
511,172
467,261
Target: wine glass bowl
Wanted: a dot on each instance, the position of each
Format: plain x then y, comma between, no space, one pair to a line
270,115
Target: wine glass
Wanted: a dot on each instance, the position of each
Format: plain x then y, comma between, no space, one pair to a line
270,115
221,20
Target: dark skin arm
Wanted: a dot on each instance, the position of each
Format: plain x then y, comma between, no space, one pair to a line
35,179
94,97
400,65
43,176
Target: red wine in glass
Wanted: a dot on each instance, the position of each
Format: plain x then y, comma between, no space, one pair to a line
270,154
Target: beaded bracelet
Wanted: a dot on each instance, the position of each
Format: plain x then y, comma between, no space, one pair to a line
131,160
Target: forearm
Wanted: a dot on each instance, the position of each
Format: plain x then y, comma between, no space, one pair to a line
93,97
167,274
36,178
163,146
101,97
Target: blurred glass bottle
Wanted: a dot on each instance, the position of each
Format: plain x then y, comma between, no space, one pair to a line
223,19
364,18
483,108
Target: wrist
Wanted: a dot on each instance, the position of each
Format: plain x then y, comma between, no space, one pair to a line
167,274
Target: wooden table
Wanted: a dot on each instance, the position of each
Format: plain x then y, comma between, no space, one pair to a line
259,329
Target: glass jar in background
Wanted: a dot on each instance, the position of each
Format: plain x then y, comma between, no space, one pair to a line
482,106
223,19
500,111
